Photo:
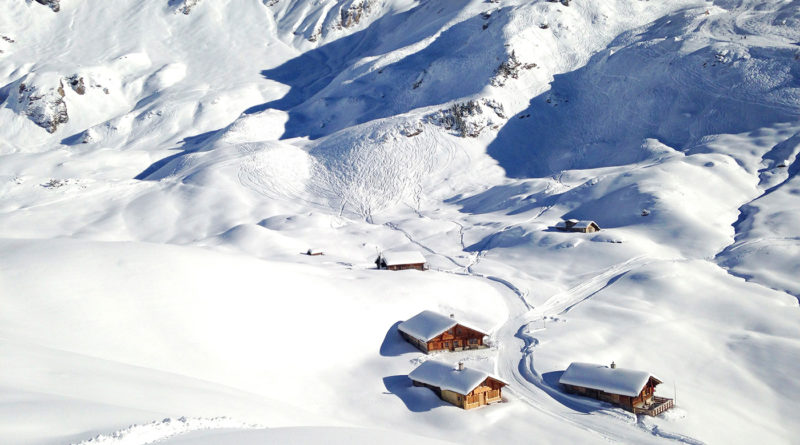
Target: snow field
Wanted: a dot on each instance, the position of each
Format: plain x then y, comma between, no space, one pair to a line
256,130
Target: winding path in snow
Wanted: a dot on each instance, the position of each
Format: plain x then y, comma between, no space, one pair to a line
515,361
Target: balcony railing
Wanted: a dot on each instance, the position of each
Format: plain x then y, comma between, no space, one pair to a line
656,406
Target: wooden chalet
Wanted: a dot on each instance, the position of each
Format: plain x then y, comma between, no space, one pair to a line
465,388
429,331
632,390
401,260
573,225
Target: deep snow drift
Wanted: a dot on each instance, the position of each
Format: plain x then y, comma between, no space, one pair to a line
164,165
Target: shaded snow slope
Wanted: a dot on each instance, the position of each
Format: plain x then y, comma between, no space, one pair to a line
164,165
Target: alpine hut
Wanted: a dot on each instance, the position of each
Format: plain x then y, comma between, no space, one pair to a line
401,260
574,225
632,390
429,331
463,387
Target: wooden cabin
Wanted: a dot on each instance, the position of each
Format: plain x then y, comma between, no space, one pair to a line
314,252
401,260
429,331
465,388
631,390
573,225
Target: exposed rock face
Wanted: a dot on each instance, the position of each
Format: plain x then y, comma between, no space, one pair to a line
55,5
352,15
467,119
45,107
77,84
509,69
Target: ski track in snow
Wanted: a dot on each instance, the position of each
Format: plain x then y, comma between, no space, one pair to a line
529,385
517,365
157,431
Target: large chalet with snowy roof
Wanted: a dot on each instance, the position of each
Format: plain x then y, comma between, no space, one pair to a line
463,387
401,260
429,331
632,390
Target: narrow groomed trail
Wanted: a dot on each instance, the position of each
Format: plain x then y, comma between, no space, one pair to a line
516,345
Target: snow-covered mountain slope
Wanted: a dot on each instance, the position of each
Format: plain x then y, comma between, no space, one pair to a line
164,163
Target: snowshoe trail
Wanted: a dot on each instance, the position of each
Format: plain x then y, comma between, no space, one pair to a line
157,431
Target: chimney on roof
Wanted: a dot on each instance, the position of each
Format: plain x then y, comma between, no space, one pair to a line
613,365
460,366
452,315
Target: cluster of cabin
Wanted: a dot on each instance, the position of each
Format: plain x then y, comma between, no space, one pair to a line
464,387
431,332
467,388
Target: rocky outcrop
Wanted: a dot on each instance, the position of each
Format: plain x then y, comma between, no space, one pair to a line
509,69
467,119
184,6
77,85
352,15
55,5
45,107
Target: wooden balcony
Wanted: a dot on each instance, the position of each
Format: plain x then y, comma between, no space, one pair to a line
656,406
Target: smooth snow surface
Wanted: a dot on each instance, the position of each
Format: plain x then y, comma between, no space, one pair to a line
447,377
166,164
304,436
626,382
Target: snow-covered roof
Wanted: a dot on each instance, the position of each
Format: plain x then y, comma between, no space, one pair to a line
584,224
445,376
626,382
426,325
575,224
402,257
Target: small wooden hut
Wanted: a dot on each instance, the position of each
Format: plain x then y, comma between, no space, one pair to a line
465,388
632,390
574,225
401,260
429,331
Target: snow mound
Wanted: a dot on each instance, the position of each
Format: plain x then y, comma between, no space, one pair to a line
159,431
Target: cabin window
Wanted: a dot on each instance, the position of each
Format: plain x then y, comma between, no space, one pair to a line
473,341
447,344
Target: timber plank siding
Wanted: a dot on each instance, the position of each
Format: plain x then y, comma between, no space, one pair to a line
457,338
644,403
415,266
429,331
489,391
